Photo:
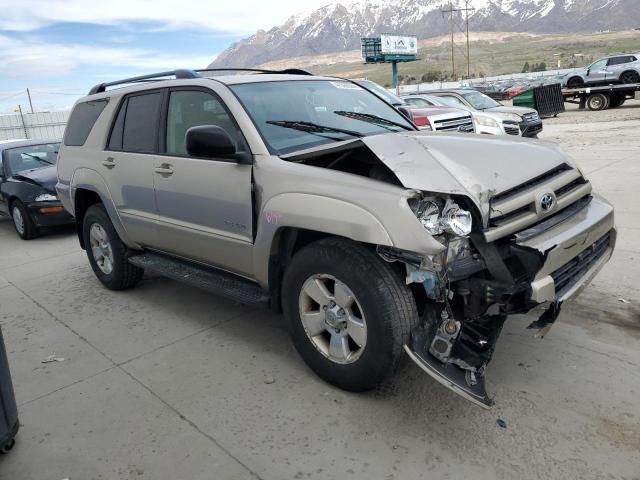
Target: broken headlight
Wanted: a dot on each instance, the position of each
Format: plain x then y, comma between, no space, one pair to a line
438,216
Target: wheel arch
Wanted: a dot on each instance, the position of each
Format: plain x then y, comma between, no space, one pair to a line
575,77
632,71
10,200
89,188
288,222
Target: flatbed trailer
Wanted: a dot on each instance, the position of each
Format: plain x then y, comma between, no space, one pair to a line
600,97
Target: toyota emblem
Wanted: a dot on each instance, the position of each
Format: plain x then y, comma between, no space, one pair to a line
547,202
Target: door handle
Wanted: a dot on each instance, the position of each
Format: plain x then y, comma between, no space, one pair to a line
164,169
109,162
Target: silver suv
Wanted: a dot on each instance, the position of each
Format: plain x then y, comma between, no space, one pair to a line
316,197
615,69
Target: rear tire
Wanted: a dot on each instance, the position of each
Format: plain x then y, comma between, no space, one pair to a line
597,101
630,77
382,304
617,101
107,254
22,221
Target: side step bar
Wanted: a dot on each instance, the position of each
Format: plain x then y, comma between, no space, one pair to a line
210,280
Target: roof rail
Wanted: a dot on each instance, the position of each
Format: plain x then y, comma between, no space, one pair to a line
286,71
101,87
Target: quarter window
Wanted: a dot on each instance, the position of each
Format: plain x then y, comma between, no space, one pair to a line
81,121
191,108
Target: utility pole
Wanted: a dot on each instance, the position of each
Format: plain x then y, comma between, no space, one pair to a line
24,126
450,11
466,11
30,104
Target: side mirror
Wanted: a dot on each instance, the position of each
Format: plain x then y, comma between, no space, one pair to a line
588,71
211,141
405,112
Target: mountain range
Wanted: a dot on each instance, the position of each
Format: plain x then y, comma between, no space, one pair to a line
338,27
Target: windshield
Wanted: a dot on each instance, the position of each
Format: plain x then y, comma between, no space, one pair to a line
32,157
383,93
480,101
435,101
297,114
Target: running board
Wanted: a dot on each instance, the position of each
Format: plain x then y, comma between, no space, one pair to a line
452,377
210,280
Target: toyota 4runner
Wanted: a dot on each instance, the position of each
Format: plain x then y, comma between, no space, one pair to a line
316,197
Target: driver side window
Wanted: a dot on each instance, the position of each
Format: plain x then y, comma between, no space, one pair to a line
192,108
598,65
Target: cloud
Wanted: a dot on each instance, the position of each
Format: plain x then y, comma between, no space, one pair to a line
32,58
237,17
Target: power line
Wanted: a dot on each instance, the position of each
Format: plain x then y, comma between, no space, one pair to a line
450,11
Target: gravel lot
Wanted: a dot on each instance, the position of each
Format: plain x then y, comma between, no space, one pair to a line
166,382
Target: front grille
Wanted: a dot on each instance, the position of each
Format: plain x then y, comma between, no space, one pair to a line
540,179
511,128
454,124
569,274
519,208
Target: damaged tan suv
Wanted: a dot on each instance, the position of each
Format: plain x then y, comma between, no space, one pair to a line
315,197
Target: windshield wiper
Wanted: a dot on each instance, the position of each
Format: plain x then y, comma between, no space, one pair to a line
36,157
311,127
369,117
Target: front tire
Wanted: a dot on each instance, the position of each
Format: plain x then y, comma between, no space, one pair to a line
22,221
107,254
349,312
575,82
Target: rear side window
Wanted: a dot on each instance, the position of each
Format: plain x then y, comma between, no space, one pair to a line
135,128
82,120
620,60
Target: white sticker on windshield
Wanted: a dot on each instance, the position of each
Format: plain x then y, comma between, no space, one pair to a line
345,85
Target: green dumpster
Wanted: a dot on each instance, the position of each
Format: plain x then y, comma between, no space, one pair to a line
546,99
525,99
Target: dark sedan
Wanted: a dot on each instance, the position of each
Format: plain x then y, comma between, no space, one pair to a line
27,186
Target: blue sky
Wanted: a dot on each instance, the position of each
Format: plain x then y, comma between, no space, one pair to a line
60,48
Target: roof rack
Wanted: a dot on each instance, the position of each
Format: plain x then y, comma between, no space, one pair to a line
286,71
101,87
181,74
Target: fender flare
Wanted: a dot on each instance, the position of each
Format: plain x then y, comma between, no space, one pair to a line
89,179
312,212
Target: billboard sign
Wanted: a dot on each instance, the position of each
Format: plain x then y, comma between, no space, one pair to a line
399,44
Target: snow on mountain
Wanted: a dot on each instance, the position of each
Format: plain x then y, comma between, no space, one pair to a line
336,27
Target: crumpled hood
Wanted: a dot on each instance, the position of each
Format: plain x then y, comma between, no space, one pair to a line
472,165
45,177
516,110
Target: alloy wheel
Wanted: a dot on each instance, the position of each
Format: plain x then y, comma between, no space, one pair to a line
18,220
332,318
101,248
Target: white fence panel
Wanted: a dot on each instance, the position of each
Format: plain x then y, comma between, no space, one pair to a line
42,125
423,87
